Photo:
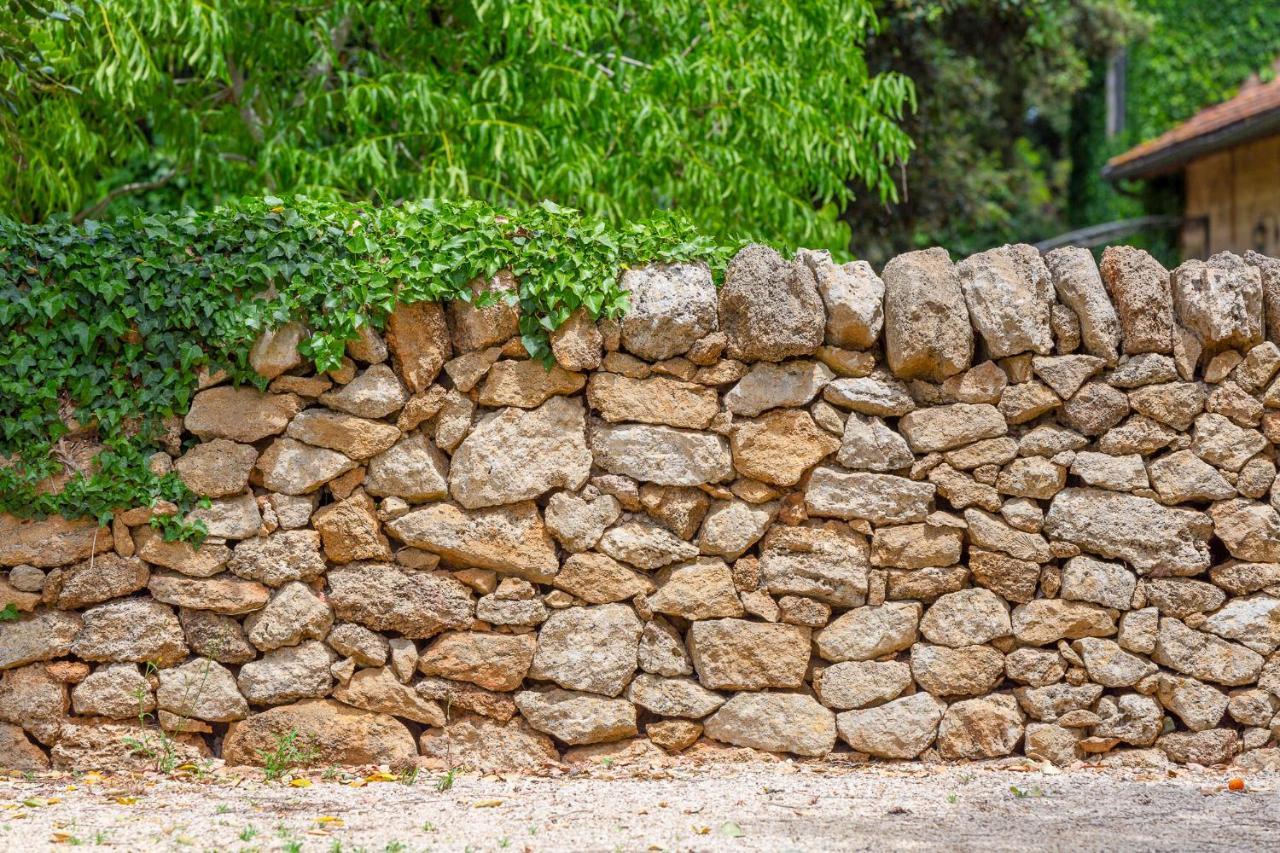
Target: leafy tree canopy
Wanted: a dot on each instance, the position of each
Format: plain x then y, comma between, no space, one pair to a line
754,118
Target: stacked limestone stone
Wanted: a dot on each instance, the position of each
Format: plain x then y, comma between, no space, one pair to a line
1011,504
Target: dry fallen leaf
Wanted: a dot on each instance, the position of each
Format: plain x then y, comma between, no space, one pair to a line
300,783
486,804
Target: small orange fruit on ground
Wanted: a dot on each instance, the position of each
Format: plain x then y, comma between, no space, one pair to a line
1236,784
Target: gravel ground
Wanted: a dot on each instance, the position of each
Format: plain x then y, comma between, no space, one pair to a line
772,806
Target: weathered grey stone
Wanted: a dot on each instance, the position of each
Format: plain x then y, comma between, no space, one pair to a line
287,675
775,722
1109,665
731,527
867,633
673,697
94,581
662,650
1215,746
1035,667
577,522
770,309
670,306
1049,702
1138,530
1098,582
1198,705
767,386
201,689
926,324
853,296
946,427
1008,293
375,393
1183,477
290,555
1032,477
413,469
1220,442
1079,287
646,546
821,564
860,684
131,630
1131,718
384,597
1220,302
877,394
1252,621
902,729
294,468
520,454
1066,373
1118,473
1181,597
969,617
293,614
878,498
1095,408
489,746
1174,404
989,532
588,648
1203,656
115,690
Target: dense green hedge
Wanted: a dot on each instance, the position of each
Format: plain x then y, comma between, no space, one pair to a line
109,324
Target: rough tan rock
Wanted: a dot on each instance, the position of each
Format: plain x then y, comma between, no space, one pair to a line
357,438
1010,578
337,733
827,565
878,498
577,718
294,468
578,522
517,455
19,753
509,539
1138,530
1079,286
418,337
577,344
489,746
780,447
32,698
588,648
732,654
702,589
878,394
242,415
526,384
218,468
926,324
493,661
201,689
660,454
491,318
673,697
1203,656
980,728
860,684
947,672
220,594
731,527
1047,620
1250,531
657,400
380,691
867,633
599,579
132,629
969,617
670,307
291,555
205,561
853,296
1220,302
868,444
293,614
946,427
770,309
287,675
901,729
771,386
1140,287
774,722
215,636
645,545
350,531
94,581
1008,293
112,745
384,597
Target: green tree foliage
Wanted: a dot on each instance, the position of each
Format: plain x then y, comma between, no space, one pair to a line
995,80
1193,54
105,328
755,118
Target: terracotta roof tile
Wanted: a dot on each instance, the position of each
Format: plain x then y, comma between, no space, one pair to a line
1253,101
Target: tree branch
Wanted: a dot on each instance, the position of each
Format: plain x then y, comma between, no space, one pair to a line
123,190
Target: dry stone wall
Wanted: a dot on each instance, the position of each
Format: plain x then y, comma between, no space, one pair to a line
1011,504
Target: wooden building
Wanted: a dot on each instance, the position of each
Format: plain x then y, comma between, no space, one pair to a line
1228,157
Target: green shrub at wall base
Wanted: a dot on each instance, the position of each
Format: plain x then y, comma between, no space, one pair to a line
108,325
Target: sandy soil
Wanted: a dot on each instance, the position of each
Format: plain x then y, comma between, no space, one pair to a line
753,806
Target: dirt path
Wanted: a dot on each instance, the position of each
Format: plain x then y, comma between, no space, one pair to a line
773,807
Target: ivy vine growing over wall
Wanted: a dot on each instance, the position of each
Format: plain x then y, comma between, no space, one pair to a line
104,328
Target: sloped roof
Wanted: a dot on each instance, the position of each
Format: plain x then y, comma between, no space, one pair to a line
1252,114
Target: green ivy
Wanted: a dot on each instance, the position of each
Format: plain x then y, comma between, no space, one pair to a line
106,327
